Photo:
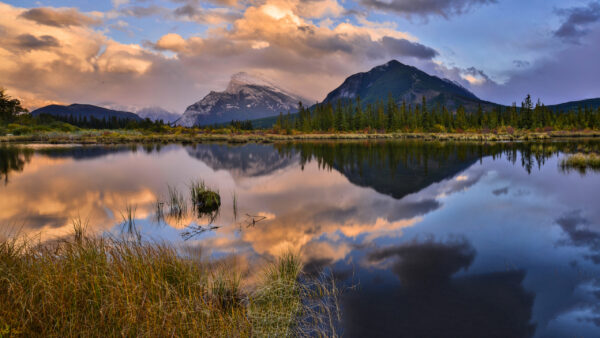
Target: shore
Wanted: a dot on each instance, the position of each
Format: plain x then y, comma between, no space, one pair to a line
125,136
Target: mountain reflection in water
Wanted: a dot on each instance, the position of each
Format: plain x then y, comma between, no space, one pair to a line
442,239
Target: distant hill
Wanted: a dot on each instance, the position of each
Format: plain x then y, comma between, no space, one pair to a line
247,97
84,110
574,105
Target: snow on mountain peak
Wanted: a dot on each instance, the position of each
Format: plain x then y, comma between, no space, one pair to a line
242,79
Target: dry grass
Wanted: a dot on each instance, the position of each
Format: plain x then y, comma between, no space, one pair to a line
101,287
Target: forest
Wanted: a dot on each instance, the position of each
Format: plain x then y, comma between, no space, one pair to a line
352,115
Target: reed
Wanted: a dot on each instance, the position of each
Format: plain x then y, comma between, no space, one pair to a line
176,203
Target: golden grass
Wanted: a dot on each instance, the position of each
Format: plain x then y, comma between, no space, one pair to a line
99,287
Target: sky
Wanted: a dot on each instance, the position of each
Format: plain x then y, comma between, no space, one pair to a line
131,54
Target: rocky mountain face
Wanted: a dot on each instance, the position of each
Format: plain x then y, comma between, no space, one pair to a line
247,97
84,110
158,113
405,83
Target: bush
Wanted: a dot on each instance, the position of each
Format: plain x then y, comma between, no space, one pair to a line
20,130
438,128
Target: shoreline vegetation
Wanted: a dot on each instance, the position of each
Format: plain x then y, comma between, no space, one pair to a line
104,286
129,136
582,162
345,120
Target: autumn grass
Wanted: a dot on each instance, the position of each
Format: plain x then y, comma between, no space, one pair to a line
582,162
100,287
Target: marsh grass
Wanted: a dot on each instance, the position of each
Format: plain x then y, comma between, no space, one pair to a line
581,162
204,200
98,287
176,203
128,226
284,305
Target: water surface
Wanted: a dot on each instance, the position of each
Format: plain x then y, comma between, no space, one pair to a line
440,239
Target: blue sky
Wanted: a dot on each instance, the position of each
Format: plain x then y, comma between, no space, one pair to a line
171,53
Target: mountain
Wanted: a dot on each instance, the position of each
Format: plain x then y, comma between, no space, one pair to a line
574,105
405,83
247,97
158,113
84,110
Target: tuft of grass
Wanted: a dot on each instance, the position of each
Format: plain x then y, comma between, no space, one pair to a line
581,162
204,200
98,286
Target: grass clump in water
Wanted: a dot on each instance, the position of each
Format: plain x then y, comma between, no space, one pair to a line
204,200
582,162
109,287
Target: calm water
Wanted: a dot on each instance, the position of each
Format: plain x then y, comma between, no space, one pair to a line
442,240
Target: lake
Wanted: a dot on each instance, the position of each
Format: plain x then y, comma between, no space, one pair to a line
436,239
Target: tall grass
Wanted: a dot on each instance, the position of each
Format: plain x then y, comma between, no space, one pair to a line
128,226
176,203
109,287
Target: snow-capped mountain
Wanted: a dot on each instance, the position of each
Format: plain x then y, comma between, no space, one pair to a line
247,97
158,113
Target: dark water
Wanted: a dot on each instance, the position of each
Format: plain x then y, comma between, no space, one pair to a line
448,240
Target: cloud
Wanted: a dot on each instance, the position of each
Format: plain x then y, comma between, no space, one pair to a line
403,47
205,15
570,73
29,42
141,11
59,17
579,233
425,8
426,262
577,19
290,41
521,63
501,191
474,76
70,61
173,42
197,2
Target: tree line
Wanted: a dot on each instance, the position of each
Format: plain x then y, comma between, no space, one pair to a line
391,116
